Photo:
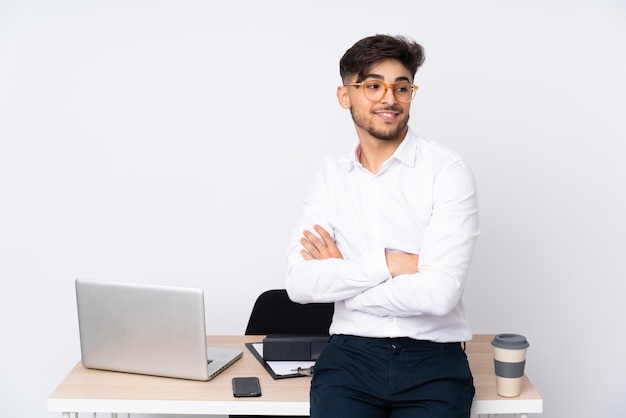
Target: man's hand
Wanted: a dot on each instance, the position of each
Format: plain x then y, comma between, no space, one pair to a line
402,263
316,248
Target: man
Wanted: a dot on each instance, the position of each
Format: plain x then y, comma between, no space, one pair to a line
387,233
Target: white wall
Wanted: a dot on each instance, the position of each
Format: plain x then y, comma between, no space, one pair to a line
172,141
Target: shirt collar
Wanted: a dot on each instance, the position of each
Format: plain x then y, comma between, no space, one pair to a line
405,153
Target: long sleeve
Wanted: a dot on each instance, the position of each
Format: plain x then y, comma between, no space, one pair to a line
423,201
332,279
445,254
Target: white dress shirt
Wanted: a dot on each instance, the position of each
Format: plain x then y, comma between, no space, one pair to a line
423,201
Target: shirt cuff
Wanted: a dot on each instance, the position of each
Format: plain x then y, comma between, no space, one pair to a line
375,267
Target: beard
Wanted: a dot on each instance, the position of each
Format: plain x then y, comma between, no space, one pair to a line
389,133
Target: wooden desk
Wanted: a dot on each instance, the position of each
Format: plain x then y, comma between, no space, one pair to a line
85,390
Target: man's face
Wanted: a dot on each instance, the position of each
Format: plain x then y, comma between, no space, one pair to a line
387,118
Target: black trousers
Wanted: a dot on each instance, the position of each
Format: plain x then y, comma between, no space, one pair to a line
391,378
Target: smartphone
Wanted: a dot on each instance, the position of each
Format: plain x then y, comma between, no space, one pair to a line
246,386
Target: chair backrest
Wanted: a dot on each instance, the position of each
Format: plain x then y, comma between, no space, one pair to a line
275,313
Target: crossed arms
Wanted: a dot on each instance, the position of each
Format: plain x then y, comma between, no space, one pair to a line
324,247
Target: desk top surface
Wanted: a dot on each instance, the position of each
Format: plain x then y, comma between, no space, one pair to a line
96,390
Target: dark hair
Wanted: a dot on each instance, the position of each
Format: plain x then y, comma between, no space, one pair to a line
368,52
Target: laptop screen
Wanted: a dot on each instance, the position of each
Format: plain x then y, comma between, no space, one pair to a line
144,328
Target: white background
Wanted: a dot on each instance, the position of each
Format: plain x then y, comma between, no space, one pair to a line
172,142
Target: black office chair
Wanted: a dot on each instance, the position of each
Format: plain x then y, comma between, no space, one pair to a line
274,313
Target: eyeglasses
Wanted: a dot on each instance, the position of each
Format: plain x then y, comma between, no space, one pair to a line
375,90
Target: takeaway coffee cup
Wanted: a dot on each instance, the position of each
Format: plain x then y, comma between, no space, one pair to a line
509,356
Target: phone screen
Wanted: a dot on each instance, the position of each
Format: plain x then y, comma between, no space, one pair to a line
246,386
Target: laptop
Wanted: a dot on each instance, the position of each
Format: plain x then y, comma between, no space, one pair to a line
147,329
